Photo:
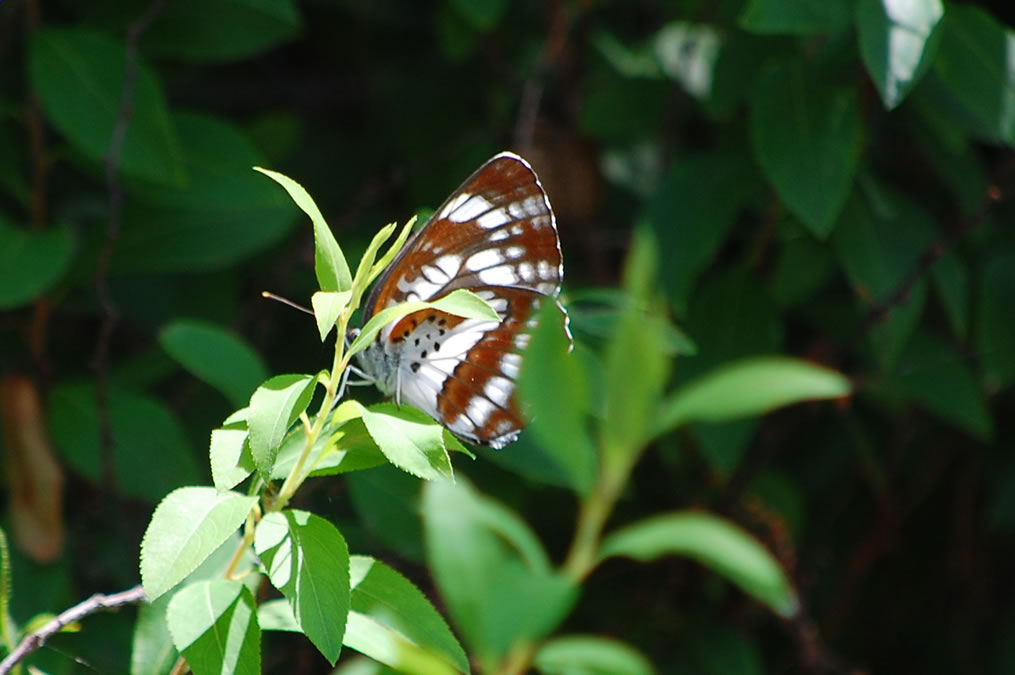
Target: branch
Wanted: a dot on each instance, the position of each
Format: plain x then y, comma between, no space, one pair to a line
97,602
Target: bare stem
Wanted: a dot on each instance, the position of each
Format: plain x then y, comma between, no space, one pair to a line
36,639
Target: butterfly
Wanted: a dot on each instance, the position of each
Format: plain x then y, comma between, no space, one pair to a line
496,236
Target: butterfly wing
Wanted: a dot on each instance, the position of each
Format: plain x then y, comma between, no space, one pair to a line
495,236
496,229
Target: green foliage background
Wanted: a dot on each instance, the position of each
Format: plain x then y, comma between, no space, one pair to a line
827,179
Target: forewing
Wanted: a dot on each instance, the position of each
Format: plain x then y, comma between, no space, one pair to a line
497,229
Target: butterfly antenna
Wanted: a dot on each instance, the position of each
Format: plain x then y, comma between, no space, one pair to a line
286,301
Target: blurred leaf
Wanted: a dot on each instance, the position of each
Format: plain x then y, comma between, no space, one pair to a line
215,356
618,109
372,637
498,593
636,366
718,649
748,388
329,263
692,212
688,53
590,655
730,317
951,279
804,267
231,461
214,625
221,215
898,40
78,74
227,30
274,406
483,14
13,176
386,501
31,262
402,611
714,542
150,454
807,137
936,377
629,62
307,559
550,384
187,527
973,65
878,241
410,439
797,18
949,150
995,339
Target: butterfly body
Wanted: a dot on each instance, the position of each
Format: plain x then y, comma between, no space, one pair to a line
494,236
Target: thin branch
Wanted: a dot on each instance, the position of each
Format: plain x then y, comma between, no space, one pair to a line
110,313
532,91
97,602
937,250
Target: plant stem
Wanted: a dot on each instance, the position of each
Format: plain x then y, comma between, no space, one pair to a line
296,477
593,513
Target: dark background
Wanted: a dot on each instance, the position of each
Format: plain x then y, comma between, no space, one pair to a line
892,511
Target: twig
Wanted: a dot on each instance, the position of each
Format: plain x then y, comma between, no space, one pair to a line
36,639
937,250
110,313
532,91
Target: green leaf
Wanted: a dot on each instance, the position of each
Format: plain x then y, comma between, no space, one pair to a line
692,212
714,542
274,406
483,14
995,340
214,625
934,375
410,439
796,18
231,461
951,280
550,379
343,446
397,611
807,139
186,528
973,65
278,615
78,74
31,262
460,303
897,43
328,305
220,216
329,263
151,453
636,364
878,241
386,501
396,246
153,650
493,575
215,356
307,559
227,30
590,655
748,388
383,644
